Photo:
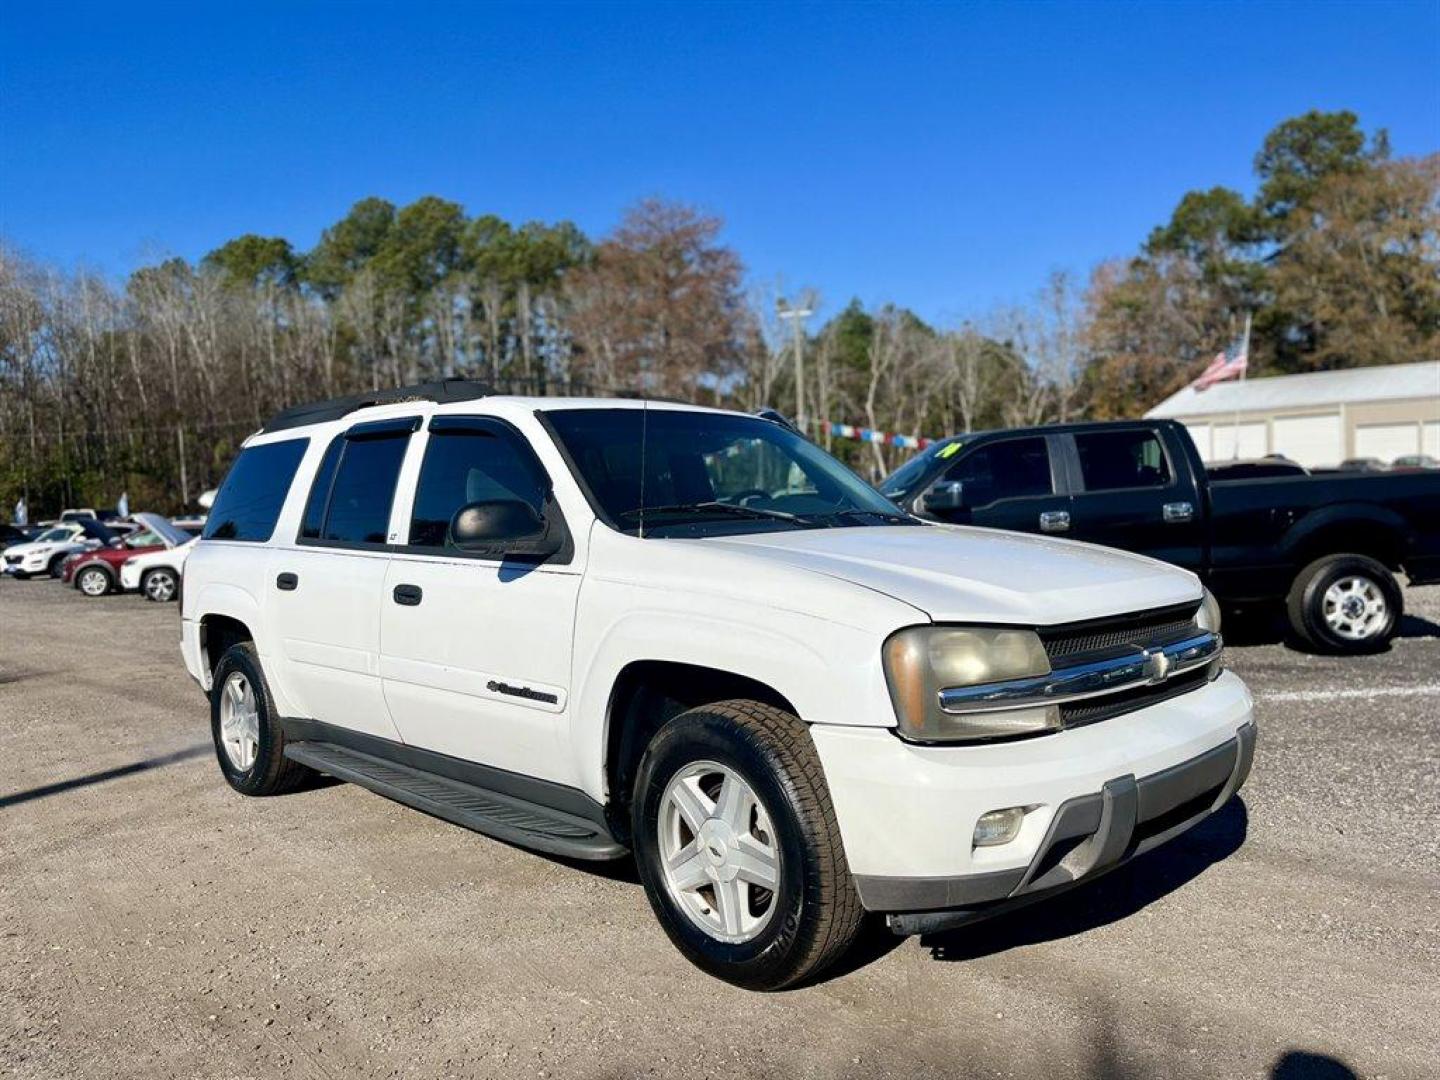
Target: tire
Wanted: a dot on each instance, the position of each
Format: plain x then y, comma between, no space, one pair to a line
1345,604
159,585
57,566
812,915
262,768
93,581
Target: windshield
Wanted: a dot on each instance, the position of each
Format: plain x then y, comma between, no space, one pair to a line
54,536
709,473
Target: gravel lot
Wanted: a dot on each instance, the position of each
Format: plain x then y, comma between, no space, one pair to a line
155,924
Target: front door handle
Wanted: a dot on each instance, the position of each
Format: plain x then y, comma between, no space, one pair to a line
1054,521
287,582
407,595
1177,512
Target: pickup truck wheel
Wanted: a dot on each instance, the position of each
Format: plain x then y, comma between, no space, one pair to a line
159,584
1345,604
92,581
736,841
248,742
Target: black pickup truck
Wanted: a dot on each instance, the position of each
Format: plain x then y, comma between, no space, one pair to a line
1328,545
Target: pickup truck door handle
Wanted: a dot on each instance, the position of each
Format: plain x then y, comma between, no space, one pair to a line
407,595
1053,521
1177,512
287,582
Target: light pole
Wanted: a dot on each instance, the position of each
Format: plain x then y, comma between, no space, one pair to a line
797,317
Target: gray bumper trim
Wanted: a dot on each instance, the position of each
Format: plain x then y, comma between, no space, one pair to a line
1090,834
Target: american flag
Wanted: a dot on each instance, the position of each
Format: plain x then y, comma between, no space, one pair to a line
1230,364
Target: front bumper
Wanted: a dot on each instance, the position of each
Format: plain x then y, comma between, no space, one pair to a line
1090,835
1094,796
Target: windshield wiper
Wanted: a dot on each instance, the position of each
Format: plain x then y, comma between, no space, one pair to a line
855,512
723,507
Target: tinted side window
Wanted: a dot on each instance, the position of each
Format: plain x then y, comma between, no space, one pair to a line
363,490
1004,470
471,466
248,503
314,519
1121,459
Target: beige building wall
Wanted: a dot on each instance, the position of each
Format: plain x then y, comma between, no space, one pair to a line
1383,423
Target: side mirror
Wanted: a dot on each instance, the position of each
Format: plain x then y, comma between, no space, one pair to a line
944,495
502,527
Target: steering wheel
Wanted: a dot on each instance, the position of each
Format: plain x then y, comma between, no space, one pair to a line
749,493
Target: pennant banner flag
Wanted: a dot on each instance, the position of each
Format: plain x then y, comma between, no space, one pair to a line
870,435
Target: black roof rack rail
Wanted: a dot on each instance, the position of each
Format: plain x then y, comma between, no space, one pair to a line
445,390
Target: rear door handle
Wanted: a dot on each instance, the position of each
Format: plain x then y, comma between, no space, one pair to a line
1177,512
407,595
1053,521
287,582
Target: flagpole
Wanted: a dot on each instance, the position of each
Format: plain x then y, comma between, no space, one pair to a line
1235,427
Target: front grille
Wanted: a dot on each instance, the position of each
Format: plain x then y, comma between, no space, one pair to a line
1080,643
1075,642
14,560
1093,710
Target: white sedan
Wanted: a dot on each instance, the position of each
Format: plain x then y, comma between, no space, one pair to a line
156,574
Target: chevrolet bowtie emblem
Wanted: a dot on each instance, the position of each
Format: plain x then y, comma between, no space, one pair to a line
1156,666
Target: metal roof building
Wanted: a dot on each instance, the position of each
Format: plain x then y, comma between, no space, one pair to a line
1317,419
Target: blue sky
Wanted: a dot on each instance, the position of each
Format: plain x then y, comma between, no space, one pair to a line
942,156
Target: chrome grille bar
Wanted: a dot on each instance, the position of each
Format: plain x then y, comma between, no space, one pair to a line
1145,667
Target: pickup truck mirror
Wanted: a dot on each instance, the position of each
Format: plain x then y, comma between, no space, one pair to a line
944,495
502,527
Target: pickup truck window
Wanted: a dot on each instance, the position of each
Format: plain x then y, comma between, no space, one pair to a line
468,467
254,490
364,488
1010,469
1112,460
710,472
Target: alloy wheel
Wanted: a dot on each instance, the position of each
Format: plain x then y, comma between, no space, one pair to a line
94,582
160,586
1355,608
239,721
719,852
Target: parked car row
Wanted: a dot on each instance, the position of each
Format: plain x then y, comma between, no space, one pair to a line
144,554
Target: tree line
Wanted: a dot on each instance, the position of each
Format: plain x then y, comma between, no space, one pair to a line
149,385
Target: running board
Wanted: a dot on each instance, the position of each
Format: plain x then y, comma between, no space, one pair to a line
501,816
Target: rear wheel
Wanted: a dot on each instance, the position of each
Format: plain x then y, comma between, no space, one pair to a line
159,585
92,581
737,844
248,742
1345,604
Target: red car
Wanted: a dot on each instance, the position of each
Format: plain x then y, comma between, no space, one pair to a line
96,573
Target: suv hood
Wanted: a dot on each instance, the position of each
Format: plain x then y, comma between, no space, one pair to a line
962,574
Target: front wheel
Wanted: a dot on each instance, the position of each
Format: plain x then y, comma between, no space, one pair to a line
57,566
1345,604
737,844
159,585
92,581
248,742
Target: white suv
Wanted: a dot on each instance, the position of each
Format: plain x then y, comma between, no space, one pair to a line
593,626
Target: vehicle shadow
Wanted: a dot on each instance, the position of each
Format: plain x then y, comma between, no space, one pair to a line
1115,896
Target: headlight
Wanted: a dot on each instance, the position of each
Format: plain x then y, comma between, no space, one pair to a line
920,661
1208,617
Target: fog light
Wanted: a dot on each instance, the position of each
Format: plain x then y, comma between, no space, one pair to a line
998,826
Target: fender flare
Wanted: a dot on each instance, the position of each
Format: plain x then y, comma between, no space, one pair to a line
1394,535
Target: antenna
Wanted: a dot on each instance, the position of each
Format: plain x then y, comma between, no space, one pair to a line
644,438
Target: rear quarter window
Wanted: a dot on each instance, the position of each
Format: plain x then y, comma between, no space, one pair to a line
249,501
